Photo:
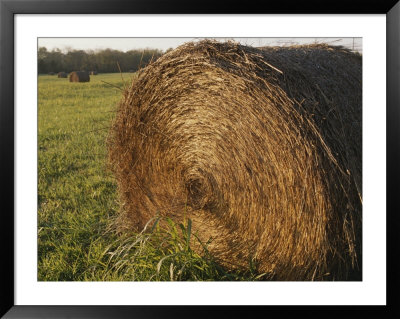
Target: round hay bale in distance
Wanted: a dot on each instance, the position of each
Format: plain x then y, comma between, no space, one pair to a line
62,75
260,148
79,76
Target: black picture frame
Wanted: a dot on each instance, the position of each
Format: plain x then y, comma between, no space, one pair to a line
8,8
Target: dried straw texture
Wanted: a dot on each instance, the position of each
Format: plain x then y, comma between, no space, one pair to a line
261,148
62,75
79,76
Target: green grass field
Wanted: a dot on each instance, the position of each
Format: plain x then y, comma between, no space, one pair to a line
77,197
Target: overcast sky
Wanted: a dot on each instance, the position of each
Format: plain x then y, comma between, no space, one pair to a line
126,44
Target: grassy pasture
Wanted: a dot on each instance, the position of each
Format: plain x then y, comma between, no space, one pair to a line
77,198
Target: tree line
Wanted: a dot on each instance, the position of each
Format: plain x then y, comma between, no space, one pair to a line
102,61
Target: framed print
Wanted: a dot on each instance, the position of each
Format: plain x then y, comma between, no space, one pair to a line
163,159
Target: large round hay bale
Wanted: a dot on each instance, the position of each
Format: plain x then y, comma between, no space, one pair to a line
79,76
62,75
261,148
